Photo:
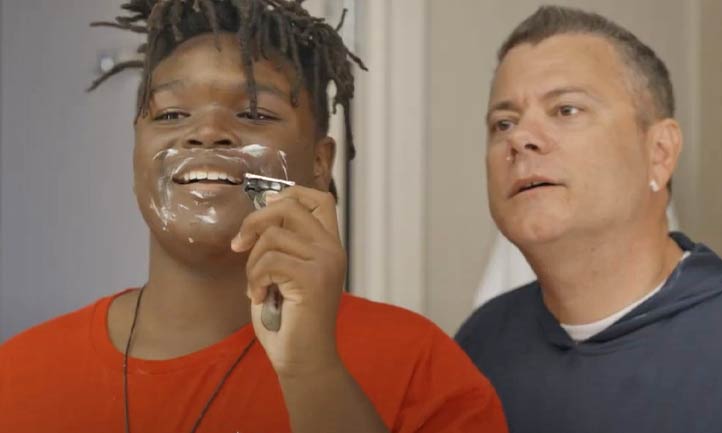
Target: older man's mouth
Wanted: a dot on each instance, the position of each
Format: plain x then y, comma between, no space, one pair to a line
532,183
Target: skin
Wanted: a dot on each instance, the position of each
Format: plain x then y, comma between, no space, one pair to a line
564,111
198,295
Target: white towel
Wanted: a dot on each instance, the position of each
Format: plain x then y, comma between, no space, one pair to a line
507,268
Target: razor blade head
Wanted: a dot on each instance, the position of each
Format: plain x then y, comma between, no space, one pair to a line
257,187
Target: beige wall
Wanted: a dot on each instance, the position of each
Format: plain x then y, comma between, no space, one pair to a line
708,222
464,37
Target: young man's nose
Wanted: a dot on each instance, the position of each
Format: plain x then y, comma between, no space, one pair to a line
213,130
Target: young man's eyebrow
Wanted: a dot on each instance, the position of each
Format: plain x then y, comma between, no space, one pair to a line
167,86
260,88
269,88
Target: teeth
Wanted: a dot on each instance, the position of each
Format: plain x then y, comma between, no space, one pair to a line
199,175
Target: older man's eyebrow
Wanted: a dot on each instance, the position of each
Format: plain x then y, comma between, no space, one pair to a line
561,91
509,105
504,105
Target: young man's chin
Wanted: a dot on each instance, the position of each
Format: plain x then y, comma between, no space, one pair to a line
196,244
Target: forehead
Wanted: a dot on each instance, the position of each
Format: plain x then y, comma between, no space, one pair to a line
582,60
217,60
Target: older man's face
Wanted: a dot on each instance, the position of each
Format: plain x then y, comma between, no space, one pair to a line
566,155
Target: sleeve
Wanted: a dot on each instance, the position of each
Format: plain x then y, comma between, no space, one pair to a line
448,394
6,403
4,379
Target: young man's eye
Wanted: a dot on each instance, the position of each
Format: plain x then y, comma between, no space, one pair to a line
259,117
170,115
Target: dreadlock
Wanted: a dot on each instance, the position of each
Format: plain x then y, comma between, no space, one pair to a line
314,48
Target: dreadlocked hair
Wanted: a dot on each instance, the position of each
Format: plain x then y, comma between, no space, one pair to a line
314,48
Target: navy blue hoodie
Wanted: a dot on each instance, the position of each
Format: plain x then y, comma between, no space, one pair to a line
656,370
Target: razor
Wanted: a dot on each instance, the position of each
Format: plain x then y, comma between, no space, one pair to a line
258,188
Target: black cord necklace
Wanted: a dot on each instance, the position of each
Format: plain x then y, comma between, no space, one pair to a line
213,394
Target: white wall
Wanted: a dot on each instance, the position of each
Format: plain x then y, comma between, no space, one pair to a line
69,229
707,224
389,183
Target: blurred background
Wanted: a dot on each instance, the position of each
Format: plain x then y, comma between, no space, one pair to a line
418,227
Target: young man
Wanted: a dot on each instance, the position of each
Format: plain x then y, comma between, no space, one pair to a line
223,82
619,332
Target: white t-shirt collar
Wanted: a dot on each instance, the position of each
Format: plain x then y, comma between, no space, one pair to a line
583,332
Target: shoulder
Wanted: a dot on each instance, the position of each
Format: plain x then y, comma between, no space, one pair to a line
378,316
382,333
46,340
428,375
404,341
498,312
391,328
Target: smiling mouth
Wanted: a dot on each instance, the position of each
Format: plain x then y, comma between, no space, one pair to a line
207,177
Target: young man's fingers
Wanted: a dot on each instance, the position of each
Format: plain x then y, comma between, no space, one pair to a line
279,239
321,204
286,213
273,267
257,294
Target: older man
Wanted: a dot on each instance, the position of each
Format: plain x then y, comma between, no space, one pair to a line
620,332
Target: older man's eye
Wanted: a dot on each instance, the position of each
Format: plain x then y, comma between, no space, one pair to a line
502,125
568,110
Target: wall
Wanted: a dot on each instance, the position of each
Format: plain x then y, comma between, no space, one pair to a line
70,230
1,182
708,225
389,173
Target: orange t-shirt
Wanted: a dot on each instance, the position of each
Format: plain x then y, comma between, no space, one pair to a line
66,376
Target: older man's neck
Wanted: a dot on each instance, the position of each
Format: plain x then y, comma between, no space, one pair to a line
586,280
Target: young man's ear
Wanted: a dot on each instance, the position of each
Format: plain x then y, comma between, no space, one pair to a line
324,156
666,145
